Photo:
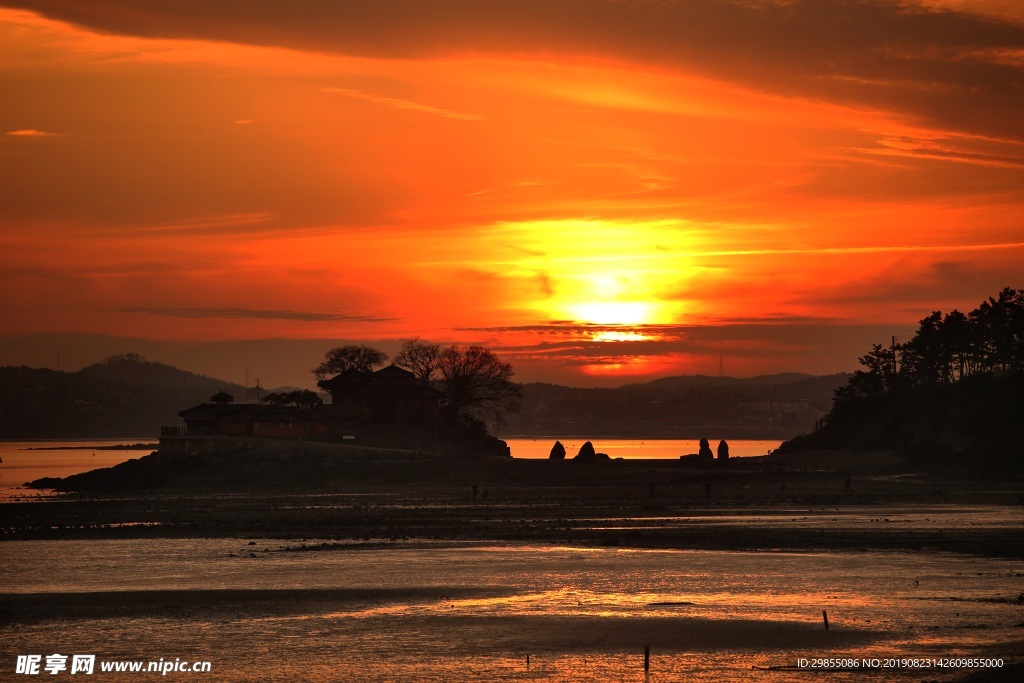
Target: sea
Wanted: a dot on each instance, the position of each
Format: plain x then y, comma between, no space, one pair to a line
261,609
25,461
256,611
540,447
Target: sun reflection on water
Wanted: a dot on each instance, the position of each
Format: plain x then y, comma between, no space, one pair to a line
476,613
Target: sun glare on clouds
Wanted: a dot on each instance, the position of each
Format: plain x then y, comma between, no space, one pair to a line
632,171
605,272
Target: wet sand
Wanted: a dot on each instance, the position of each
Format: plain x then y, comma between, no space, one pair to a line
853,504
477,634
447,610
319,509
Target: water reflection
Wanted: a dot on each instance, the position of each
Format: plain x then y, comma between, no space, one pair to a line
475,613
670,449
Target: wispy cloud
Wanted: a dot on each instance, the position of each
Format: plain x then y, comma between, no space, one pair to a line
403,104
948,148
960,158
221,223
743,343
31,133
256,313
877,249
937,60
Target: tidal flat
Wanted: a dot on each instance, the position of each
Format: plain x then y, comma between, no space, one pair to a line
366,574
258,610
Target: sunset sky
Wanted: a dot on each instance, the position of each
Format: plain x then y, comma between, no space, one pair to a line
603,191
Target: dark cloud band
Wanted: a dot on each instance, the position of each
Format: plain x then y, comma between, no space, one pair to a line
941,66
255,313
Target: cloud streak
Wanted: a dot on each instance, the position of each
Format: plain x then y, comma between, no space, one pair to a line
256,314
398,103
30,133
934,63
745,346
874,249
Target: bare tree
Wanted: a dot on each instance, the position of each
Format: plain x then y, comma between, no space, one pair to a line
477,383
419,358
357,358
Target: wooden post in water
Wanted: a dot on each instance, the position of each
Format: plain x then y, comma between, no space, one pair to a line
647,658
527,660
824,615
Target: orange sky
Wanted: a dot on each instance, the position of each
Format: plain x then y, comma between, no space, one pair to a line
601,190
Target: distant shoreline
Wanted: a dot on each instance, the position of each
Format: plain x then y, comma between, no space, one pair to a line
116,447
824,501
595,437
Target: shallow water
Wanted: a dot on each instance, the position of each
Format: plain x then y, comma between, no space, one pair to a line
474,613
24,461
667,449
903,517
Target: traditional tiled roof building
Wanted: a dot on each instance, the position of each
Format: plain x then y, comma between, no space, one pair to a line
391,394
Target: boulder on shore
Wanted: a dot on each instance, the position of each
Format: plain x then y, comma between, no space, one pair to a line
588,454
705,451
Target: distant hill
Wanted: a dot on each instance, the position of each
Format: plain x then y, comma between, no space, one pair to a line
818,390
687,381
769,407
129,396
131,368
123,396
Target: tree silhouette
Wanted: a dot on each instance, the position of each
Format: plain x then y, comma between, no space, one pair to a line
950,395
879,377
354,358
419,358
923,356
999,330
945,349
477,384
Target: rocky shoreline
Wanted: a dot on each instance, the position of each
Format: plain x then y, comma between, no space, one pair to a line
854,502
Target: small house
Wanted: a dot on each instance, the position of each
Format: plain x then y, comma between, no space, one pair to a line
391,394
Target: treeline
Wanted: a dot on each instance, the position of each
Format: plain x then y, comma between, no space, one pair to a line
946,348
475,384
952,394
